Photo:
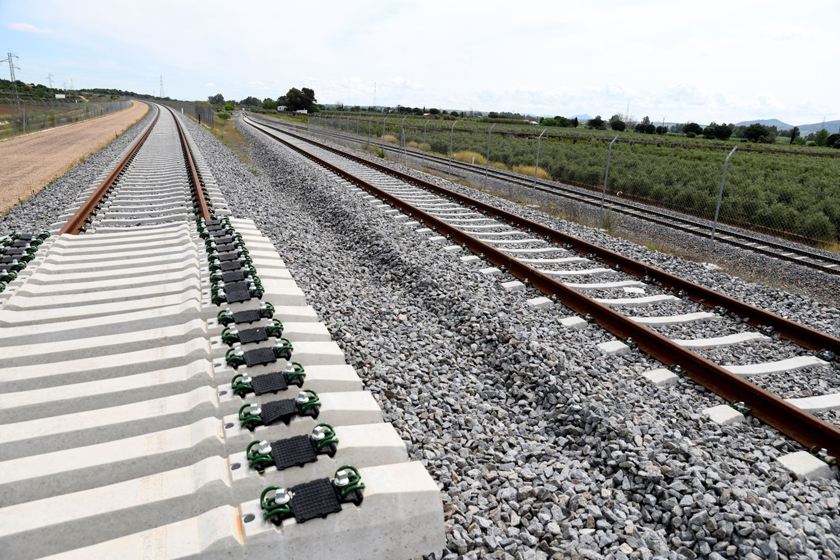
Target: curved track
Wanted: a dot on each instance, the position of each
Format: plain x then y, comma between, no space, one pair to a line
737,237
163,382
560,265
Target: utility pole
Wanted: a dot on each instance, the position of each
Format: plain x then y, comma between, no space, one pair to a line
374,96
50,78
71,84
161,87
14,80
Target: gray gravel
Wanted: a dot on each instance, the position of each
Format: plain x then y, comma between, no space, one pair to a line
37,213
541,446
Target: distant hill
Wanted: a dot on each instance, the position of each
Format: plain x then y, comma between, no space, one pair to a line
831,126
583,117
768,122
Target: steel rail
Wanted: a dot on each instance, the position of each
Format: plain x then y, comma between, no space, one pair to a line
634,208
799,425
802,335
78,220
201,201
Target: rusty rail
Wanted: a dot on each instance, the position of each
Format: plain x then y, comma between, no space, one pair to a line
77,222
801,426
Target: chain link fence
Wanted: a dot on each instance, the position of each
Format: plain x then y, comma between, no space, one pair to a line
23,117
793,195
202,113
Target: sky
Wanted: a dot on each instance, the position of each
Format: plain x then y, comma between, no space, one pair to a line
678,61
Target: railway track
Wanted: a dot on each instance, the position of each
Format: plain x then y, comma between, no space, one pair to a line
679,323
737,237
166,392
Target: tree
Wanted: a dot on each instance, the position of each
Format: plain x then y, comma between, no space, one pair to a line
833,141
574,123
217,99
269,104
296,99
692,127
597,123
646,121
821,137
794,133
229,106
618,125
662,130
434,111
251,102
614,118
755,132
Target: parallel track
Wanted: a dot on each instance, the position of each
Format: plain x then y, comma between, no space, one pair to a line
729,235
398,189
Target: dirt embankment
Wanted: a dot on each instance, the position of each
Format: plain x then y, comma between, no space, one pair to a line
28,163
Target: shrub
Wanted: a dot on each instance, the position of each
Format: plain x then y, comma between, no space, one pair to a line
618,126
529,170
223,116
229,107
390,139
467,157
499,165
692,128
832,140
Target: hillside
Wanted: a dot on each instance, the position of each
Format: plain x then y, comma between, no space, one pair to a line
831,126
767,122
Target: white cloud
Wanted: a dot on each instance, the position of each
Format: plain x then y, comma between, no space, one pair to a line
257,85
209,84
28,28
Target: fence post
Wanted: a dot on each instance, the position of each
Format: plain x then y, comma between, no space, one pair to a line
606,175
402,139
307,125
487,163
451,140
370,120
717,208
383,133
537,165
424,144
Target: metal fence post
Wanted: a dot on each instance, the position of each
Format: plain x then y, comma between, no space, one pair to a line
424,144
537,165
606,175
717,208
451,140
487,163
370,120
402,139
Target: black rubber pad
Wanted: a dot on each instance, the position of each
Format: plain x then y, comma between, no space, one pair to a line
293,452
26,236
269,383
235,276
260,357
6,260
13,251
238,292
225,257
232,265
279,410
211,223
223,240
314,499
218,232
253,335
20,243
247,316
225,248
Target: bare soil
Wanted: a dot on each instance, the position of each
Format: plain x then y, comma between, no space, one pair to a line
28,163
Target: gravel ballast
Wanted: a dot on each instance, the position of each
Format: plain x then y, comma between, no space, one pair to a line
37,213
542,446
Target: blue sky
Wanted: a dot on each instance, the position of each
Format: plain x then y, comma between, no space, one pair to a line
723,61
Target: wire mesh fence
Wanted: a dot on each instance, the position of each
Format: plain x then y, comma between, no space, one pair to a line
22,117
202,113
786,195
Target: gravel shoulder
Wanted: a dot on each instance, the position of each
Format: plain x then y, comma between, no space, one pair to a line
30,162
542,447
